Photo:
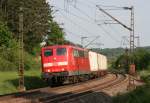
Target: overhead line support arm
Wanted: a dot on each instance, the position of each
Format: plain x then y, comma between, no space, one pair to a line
114,18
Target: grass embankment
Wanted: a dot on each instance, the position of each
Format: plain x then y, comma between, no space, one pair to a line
9,81
140,95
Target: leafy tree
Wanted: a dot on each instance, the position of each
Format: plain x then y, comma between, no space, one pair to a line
141,59
3,9
37,22
5,35
8,49
122,62
56,34
36,15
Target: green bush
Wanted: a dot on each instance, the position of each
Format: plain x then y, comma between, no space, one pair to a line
6,65
140,95
10,60
9,52
141,58
31,62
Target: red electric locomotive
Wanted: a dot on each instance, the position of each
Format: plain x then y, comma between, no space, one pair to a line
64,62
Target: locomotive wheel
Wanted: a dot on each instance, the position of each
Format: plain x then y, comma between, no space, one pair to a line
86,77
55,81
51,82
59,81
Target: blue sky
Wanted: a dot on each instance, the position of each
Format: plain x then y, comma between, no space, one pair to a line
82,19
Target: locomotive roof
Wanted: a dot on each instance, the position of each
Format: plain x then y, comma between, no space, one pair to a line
70,46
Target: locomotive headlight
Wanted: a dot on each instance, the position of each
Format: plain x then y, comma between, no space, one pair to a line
62,69
48,70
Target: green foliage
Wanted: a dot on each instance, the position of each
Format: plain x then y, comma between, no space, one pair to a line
140,94
122,63
9,60
8,48
9,53
37,22
36,17
56,36
9,81
31,62
141,58
5,35
6,65
36,51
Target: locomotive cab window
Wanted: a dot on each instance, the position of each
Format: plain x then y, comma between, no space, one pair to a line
61,51
48,52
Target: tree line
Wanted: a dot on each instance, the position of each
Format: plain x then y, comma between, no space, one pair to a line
140,57
37,21
38,26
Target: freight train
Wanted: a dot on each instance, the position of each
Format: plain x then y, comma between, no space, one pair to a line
62,63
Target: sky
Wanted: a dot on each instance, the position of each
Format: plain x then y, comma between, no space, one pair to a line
81,18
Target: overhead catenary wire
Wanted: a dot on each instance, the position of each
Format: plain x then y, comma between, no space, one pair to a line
85,4
102,28
79,26
83,13
81,18
90,19
112,37
110,6
72,21
114,29
70,32
110,26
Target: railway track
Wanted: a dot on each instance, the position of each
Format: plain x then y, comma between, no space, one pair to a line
69,98
67,93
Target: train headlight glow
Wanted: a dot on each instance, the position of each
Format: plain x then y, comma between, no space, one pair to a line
62,69
48,70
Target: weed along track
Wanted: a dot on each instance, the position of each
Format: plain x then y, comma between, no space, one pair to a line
68,92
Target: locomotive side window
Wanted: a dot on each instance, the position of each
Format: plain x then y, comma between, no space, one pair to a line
61,51
48,52
86,54
75,53
81,53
